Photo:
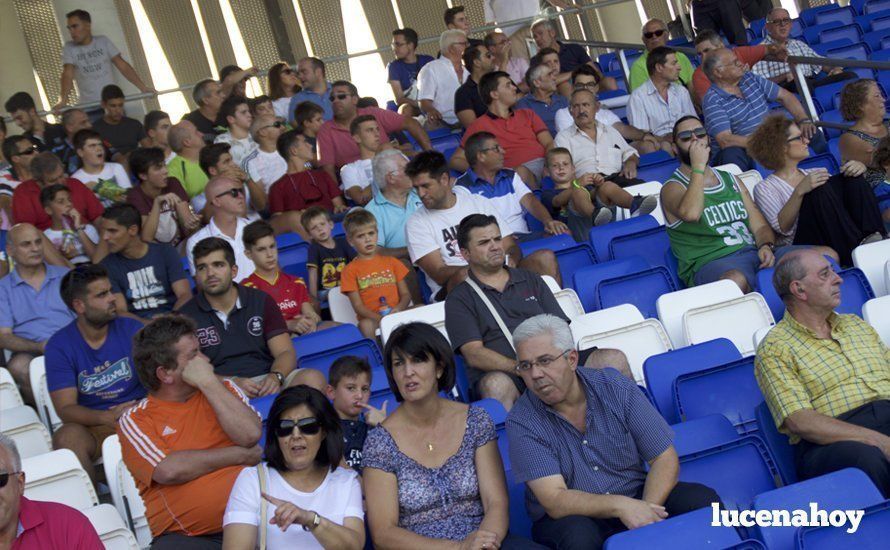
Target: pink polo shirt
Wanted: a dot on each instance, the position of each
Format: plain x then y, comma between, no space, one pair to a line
50,525
335,144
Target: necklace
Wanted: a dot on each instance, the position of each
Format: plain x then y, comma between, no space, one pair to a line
429,446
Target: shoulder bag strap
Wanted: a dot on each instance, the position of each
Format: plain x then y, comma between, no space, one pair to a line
492,310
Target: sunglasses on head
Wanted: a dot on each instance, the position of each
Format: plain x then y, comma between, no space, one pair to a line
308,426
4,478
686,135
339,97
233,192
652,34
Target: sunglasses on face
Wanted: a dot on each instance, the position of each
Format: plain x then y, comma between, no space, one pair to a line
652,34
234,192
4,478
276,124
29,151
780,22
308,426
339,97
686,135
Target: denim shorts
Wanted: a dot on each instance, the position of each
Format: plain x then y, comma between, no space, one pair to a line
744,260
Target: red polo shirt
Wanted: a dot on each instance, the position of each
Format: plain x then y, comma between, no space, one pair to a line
748,55
54,525
335,144
26,207
517,134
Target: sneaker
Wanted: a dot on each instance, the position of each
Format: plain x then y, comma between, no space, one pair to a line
602,216
873,238
643,205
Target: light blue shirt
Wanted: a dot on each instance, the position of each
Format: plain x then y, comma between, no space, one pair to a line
323,101
391,218
34,314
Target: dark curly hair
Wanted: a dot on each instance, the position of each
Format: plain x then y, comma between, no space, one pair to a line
768,142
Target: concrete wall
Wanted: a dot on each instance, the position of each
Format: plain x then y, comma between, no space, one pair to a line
17,73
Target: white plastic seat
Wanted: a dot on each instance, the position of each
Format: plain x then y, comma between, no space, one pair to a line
111,528
737,319
570,303
551,283
25,428
643,189
9,392
57,476
872,259
123,490
341,307
731,168
673,305
759,335
623,328
876,313
433,314
750,178
44,403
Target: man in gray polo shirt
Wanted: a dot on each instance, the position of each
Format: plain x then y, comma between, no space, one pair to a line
516,294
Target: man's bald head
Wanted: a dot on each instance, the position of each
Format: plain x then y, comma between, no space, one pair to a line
24,243
21,231
217,185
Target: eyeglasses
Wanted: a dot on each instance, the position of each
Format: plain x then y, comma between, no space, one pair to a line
308,426
29,151
4,478
780,22
495,147
586,85
233,192
795,138
686,135
543,362
652,34
276,124
339,97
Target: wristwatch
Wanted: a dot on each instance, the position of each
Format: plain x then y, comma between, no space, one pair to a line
771,246
279,376
316,521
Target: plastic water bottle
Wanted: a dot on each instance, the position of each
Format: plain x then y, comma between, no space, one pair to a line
384,308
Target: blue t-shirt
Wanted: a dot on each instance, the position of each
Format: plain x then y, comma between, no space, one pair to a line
104,377
146,282
406,73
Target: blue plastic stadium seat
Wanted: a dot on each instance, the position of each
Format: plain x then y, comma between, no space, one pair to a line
365,348
703,433
586,280
601,236
855,291
657,157
873,532
777,443
293,261
520,522
650,244
495,410
823,47
873,39
690,530
824,95
809,15
841,14
848,489
391,106
850,32
876,6
185,267
461,382
881,21
288,240
263,404
812,34
670,262
738,470
642,289
661,370
835,116
757,27
658,172
605,59
730,390
448,142
570,255
834,147
322,340
852,51
824,160
765,288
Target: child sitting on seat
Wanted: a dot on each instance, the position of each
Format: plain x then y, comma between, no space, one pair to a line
327,255
72,237
374,283
349,388
589,200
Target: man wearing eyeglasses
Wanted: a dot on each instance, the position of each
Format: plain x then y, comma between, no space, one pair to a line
187,442
596,456
265,165
26,523
778,29
655,35
402,72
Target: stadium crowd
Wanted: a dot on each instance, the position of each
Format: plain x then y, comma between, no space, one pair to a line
142,262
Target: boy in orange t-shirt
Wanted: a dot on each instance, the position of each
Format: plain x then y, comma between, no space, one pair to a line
374,283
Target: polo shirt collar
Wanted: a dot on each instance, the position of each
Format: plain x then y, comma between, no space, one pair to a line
205,306
542,407
327,91
380,198
493,116
723,93
50,275
834,321
30,515
511,281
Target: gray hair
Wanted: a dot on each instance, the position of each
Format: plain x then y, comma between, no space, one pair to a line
789,269
710,62
176,137
545,323
13,450
546,22
383,164
200,93
449,37
654,20
535,73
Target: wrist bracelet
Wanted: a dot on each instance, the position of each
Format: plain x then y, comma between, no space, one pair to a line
697,171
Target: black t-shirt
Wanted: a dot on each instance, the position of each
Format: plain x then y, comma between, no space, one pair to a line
467,97
329,262
53,135
146,282
354,434
123,136
238,347
210,128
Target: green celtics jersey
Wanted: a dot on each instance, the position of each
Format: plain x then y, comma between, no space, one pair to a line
721,230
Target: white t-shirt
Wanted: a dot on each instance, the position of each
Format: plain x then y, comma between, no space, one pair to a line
356,174
338,497
280,106
245,264
264,167
239,148
431,230
564,118
437,81
110,185
59,237
92,66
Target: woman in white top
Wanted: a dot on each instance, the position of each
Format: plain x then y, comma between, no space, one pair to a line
811,207
310,501
283,84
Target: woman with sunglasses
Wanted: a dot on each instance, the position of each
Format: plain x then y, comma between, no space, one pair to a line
310,502
283,84
432,472
811,207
